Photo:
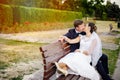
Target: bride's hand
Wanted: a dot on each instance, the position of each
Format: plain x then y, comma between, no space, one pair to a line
77,50
85,52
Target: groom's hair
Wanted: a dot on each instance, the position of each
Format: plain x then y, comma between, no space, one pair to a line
77,22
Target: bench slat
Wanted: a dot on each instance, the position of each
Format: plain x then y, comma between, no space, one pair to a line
55,57
50,61
62,77
54,48
51,49
75,77
69,77
81,78
49,73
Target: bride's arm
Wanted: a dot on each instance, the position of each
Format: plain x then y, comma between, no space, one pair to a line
72,41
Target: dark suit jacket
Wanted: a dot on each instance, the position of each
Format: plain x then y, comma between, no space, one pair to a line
72,34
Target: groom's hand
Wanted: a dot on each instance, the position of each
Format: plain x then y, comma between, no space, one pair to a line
61,39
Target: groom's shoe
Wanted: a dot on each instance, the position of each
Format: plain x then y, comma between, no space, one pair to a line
61,70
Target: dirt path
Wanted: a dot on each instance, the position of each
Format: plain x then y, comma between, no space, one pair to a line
53,35
41,37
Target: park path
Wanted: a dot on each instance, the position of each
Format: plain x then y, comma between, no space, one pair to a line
40,36
53,35
49,37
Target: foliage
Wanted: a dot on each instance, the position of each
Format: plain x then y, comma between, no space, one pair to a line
50,15
94,8
104,16
113,11
21,14
6,15
4,65
17,78
42,26
112,56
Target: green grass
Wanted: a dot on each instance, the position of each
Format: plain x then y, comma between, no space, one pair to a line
112,56
117,41
3,65
17,78
13,51
16,42
116,32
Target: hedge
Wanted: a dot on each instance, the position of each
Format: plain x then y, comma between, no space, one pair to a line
6,15
21,14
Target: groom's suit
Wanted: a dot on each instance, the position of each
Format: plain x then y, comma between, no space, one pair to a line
73,34
102,65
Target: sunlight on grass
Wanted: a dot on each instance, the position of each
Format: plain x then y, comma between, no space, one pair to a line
16,42
12,51
44,26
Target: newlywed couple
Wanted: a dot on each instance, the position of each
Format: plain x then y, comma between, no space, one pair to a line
86,53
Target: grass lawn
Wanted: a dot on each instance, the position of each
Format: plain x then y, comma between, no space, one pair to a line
112,59
12,51
112,56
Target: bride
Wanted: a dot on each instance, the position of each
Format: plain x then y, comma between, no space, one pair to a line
78,62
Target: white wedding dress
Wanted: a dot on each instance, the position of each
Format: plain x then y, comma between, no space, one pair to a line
79,63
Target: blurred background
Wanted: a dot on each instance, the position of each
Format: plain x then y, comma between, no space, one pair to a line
25,25
33,15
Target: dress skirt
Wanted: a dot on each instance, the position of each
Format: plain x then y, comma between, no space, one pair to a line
79,64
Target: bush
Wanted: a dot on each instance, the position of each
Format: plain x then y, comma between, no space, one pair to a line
20,19
47,15
20,14
104,16
6,15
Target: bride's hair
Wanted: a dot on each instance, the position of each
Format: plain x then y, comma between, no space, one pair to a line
93,27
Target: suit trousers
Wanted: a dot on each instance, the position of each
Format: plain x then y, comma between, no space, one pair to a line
102,67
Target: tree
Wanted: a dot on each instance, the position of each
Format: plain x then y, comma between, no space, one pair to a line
113,11
4,1
98,7
88,6
73,5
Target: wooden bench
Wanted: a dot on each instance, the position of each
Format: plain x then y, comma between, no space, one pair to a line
51,53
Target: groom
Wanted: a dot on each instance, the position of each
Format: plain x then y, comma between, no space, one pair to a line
102,65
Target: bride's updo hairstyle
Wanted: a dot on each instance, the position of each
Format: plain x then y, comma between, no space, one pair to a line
93,27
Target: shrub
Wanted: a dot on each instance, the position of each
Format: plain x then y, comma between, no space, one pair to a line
21,14
6,15
32,14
